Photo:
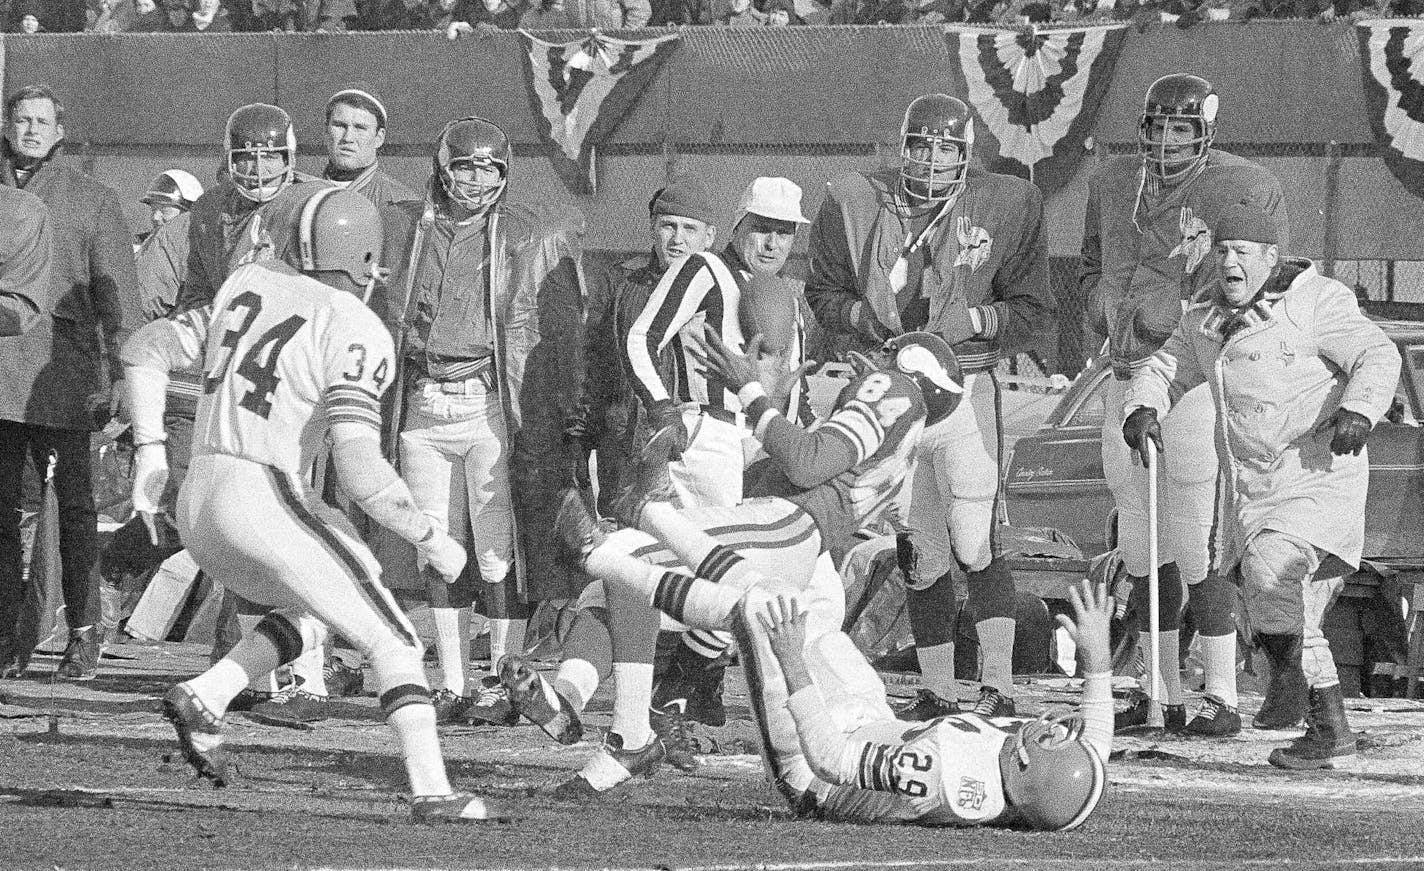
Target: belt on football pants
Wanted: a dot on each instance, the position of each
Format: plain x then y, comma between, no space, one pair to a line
475,385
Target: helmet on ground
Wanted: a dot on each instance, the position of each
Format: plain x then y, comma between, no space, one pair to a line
173,187
931,363
1051,774
339,230
1176,98
258,130
472,142
928,176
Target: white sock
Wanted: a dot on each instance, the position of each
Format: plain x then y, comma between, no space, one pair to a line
450,648
937,670
415,729
631,702
1218,653
1171,664
267,681
506,636
309,665
577,681
253,656
996,651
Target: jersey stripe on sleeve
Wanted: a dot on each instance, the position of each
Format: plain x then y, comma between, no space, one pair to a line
348,403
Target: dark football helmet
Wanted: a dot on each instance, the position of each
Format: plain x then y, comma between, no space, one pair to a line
472,142
1178,97
259,130
1051,773
339,230
930,361
930,120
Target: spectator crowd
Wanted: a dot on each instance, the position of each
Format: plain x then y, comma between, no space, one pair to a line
456,18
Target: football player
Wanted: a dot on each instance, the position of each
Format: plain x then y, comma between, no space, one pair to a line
1147,252
249,217
940,246
864,765
291,356
832,480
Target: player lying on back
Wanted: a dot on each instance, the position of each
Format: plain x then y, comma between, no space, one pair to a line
823,485
960,769
290,356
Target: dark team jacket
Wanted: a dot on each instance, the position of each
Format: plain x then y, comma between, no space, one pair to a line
989,250
1147,252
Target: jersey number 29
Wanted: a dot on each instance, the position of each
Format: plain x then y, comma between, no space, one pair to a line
259,364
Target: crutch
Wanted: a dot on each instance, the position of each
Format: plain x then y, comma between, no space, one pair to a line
1154,593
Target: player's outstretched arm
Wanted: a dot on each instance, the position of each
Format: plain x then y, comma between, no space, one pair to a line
148,356
785,626
371,482
1092,610
807,457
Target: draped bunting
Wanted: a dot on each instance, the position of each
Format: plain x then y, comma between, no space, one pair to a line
580,91
1036,94
1393,53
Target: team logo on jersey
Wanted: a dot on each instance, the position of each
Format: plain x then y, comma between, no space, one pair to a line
1196,240
971,793
261,247
974,244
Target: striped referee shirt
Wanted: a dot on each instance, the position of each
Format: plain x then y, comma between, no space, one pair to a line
695,292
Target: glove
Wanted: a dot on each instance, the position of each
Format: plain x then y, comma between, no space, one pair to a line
1352,429
1141,427
150,468
665,419
442,554
959,326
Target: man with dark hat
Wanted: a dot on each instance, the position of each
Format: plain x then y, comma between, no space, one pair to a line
1299,377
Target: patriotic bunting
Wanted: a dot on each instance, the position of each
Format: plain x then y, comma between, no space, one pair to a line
1393,53
581,90
1036,94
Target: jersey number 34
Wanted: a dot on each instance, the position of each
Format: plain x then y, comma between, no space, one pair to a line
259,364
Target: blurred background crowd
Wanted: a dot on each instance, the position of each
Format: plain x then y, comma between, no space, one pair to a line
456,18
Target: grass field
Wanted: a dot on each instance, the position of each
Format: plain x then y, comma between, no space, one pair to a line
89,779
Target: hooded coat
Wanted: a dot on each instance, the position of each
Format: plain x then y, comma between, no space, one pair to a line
535,307
1274,381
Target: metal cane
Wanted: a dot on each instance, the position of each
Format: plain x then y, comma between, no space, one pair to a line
1154,627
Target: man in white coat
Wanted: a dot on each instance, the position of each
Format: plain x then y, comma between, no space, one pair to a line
1299,377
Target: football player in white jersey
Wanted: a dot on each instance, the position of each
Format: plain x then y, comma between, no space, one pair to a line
291,356
961,769
820,486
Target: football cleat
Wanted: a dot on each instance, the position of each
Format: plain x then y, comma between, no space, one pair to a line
993,703
670,724
492,706
199,734
249,698
927,705
1051,773
1140,707
612,765
294,710
450,708
578,529
342,680
1214,720
536,700
457,807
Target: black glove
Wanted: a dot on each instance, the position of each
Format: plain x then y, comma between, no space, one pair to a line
1352,429
665,422
1140,427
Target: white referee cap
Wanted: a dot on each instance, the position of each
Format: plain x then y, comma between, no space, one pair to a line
772,197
